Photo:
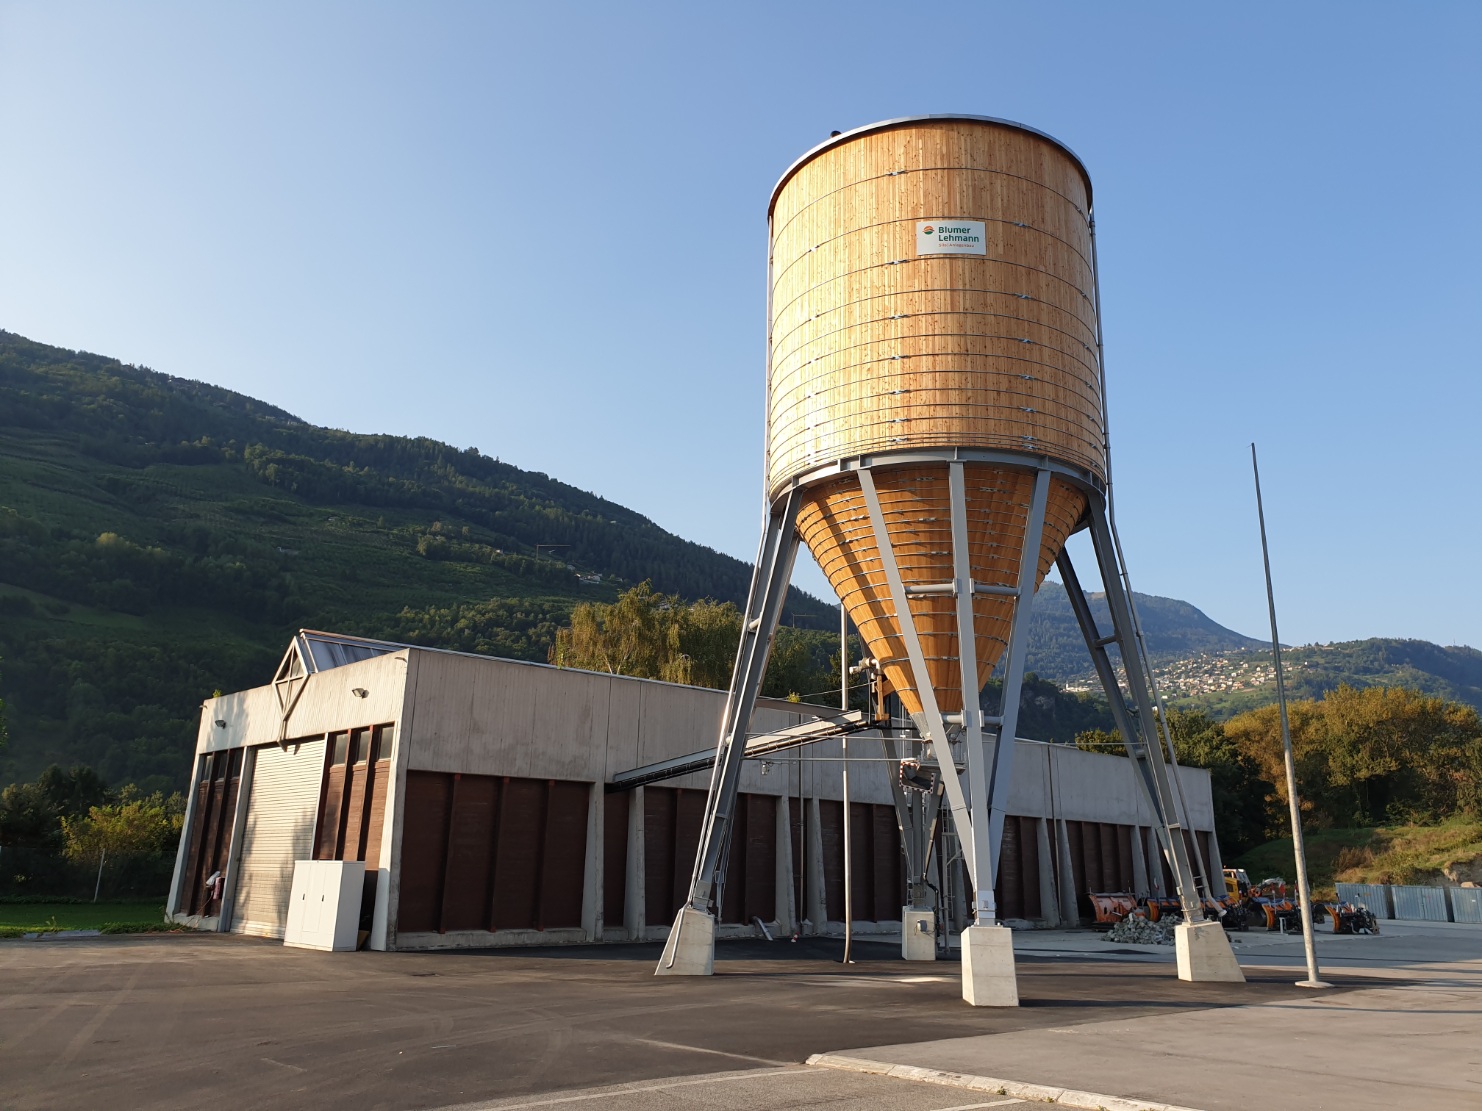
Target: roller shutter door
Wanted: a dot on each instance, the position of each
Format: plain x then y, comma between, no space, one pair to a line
281,814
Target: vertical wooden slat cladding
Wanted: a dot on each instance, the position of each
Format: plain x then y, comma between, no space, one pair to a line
1125,836
517,867
658,854
890,880
467,894
831,831
615,857
424,847
564,867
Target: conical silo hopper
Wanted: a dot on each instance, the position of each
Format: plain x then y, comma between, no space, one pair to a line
932,299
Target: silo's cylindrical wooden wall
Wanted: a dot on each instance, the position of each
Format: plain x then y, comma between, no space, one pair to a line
879,345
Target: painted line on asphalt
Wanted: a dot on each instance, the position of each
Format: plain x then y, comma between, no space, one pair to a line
1065,1097
630,1089
715,1052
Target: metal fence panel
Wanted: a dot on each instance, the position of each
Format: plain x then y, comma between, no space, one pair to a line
1466,904
1375,896
1420,904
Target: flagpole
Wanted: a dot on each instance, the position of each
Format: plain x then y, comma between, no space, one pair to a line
1304,893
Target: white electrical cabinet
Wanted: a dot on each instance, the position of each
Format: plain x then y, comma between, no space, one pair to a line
324,908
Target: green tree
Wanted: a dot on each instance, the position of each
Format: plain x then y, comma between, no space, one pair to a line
658,636
1369,756
31,813
133,826
1241,796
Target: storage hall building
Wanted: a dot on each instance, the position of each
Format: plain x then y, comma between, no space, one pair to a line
480,794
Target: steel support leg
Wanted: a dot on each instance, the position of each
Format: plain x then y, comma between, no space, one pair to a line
1001,776
1204,952
690,950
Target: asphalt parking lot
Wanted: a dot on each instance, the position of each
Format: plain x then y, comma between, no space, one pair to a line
191,1020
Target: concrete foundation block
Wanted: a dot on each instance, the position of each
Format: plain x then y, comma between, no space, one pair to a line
988,967
1204,954
918,934
690,950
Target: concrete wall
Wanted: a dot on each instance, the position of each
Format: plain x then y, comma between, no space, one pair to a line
476,715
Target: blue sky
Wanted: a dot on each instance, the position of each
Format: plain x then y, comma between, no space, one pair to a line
348,210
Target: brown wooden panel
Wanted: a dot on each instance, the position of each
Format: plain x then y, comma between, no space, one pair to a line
615,857
795,811
1031,863
375,813
563,866
761,858
831,829
862,860
467,890
1008,890
689,816
352,839
1077,858
1111,858
190,897
331,806
889,884
658,854
518,864
424,847
733,862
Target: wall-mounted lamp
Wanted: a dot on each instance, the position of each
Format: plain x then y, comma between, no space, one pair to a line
360,692
220,724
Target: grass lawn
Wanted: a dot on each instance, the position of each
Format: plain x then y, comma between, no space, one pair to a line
17,917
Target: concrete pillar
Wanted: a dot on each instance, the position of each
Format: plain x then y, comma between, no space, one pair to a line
1070,910
1049,905
1139,862
591,895
988,967
787,899
1204,955
636,885
817,901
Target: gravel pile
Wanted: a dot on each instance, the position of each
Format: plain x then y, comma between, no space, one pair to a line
1137,930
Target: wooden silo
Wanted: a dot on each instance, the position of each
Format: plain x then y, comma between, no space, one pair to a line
935,431
932,288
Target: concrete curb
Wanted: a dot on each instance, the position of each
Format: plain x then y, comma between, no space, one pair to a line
1064,1097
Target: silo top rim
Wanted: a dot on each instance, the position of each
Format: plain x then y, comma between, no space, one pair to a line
884,125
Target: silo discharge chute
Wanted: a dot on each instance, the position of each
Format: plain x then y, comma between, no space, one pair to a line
935,432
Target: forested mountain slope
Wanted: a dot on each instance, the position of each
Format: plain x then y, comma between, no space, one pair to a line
161,538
